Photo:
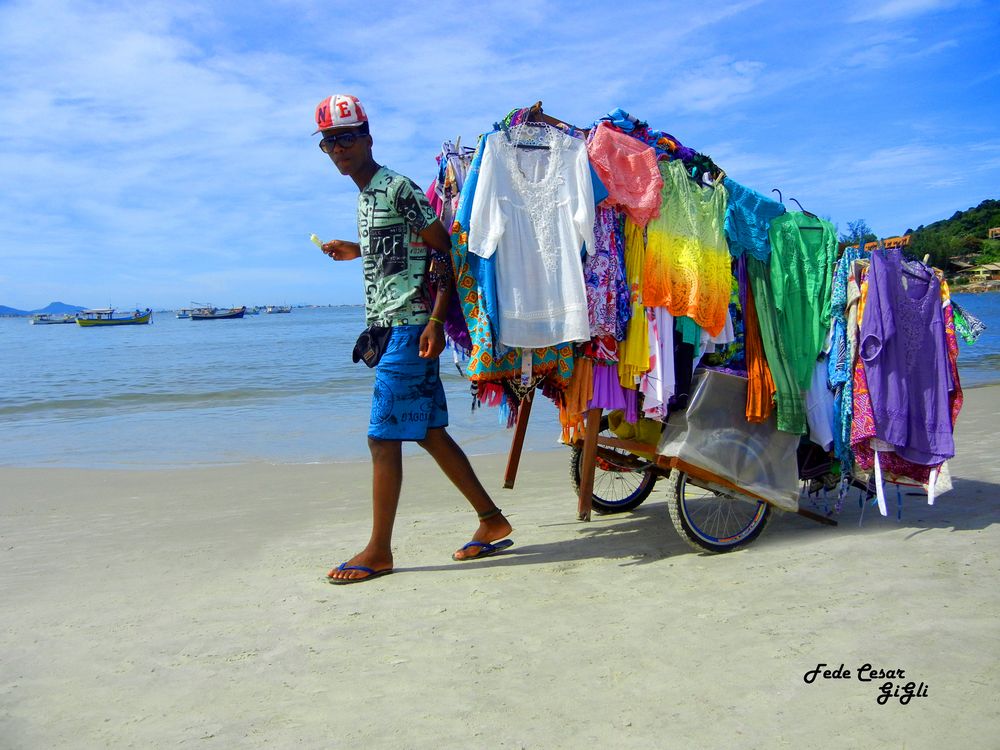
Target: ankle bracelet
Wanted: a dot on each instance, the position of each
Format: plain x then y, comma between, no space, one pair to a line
489,514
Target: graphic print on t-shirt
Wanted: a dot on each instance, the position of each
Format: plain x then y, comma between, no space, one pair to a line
406,206
388,250
392,211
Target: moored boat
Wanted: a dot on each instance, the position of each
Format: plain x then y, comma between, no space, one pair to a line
215,313
48,319
184,313
106,317
272,309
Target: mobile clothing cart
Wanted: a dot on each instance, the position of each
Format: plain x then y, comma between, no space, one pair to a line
728,466
724,476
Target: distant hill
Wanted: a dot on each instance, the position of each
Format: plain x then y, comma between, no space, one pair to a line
59,308
53,308
963,235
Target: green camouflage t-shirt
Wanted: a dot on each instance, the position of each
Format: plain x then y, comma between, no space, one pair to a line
392,211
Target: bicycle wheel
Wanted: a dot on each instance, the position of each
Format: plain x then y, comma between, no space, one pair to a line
618,486
713,522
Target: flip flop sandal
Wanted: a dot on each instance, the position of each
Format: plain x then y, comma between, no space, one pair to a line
485,549
344,566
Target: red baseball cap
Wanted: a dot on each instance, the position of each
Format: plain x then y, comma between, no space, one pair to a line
339,111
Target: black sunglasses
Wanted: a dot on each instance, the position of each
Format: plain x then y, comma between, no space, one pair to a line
344,140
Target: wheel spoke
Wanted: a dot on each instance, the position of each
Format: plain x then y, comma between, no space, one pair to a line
616,485
620,480
716,521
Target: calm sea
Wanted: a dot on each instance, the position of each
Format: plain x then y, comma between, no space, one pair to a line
274,388
268,388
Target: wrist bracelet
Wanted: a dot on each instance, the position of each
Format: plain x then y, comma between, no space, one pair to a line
437,320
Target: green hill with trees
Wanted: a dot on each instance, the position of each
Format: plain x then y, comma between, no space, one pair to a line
963,236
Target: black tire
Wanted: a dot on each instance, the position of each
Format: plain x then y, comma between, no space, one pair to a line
617,488
713,522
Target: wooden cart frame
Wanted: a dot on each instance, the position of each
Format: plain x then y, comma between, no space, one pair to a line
591,445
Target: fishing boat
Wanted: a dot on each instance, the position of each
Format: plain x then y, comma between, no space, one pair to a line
272,309
106,317
184,313
47,319
216,313
253,310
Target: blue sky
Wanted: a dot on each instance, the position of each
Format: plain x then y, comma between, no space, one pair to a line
155,153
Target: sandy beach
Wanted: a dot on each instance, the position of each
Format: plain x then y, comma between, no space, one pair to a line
188,608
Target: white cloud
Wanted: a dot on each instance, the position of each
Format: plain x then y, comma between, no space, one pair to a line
894,10
717,84
750,167
133,141
892,187
896,52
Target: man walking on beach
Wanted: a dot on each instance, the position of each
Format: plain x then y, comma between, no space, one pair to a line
396,226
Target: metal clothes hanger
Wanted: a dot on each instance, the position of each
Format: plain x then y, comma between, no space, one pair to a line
810,215
807,213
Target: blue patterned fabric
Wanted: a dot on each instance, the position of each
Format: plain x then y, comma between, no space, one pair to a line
838,368
483,270
408,398
839,364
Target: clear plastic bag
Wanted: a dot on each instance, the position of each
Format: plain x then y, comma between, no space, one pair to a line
713,434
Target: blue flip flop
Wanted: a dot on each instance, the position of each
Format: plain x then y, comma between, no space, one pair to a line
485,549
344,566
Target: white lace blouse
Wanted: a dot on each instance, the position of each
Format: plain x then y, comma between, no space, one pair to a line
534,207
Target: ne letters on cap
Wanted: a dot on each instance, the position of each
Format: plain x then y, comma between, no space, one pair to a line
339,111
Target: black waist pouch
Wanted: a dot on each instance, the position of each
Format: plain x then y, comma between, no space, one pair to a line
371,344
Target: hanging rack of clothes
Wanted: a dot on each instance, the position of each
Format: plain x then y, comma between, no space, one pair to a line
758,288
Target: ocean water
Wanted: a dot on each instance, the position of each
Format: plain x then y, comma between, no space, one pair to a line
267,388
979,363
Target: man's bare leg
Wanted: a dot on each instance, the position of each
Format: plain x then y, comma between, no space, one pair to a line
455,464
387,480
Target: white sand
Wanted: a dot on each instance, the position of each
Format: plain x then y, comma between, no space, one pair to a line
188,608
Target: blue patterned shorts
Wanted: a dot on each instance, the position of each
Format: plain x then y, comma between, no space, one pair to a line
409,398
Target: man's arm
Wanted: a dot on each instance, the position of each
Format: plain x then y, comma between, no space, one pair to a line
432,338
437,237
